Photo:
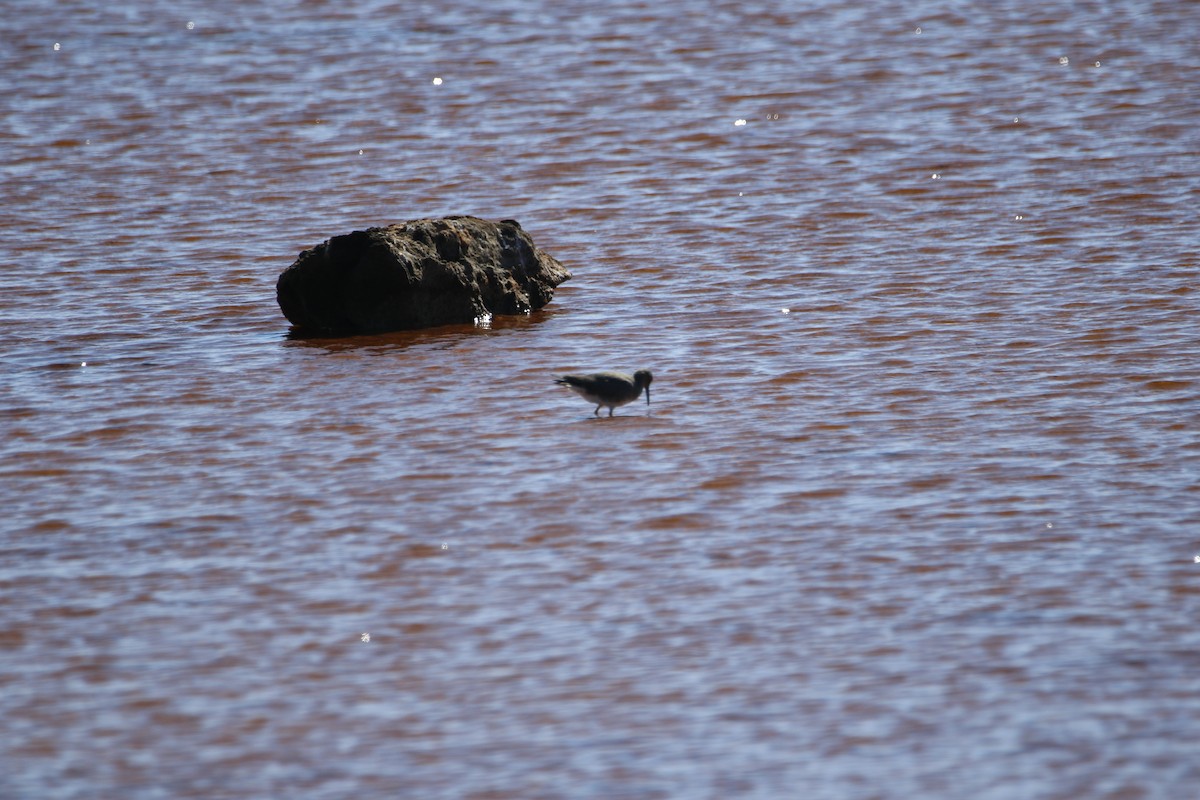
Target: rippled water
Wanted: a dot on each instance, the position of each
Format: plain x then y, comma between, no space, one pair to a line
914,511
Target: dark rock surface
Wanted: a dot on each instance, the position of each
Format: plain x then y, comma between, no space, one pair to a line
417,274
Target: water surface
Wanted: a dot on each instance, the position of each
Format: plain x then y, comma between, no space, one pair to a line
913,512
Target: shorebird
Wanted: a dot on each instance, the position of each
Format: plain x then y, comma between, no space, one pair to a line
610,389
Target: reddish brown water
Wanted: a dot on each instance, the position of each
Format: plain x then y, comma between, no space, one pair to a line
914,511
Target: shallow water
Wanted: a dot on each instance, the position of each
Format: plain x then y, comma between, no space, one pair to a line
913,511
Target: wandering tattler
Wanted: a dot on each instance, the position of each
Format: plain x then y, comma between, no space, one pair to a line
610,389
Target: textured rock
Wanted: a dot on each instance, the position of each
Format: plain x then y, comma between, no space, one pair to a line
417,274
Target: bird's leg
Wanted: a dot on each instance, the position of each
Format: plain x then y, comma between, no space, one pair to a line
597,411
610,410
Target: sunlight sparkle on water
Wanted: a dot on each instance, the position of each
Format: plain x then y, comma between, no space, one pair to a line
739,122
437,81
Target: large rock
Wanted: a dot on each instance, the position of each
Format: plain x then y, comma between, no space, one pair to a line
417,274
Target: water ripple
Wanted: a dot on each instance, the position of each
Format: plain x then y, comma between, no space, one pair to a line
913,496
